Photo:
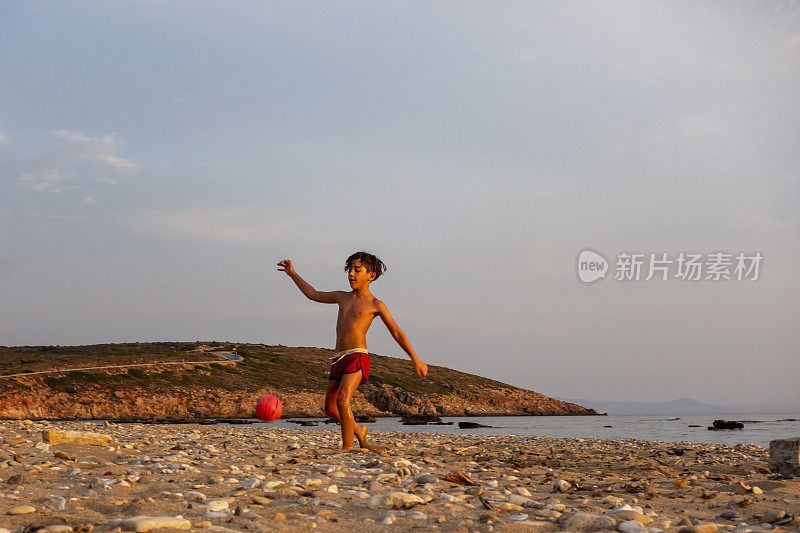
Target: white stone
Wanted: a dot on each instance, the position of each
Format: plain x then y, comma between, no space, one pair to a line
578,522
393,499
624,507
22,509
631,526
56,436
216,506
146,523
561,485
194,496
58,528
516,499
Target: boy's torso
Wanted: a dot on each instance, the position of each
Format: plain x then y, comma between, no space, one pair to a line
355,317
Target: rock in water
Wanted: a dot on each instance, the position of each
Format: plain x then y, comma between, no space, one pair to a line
726,424
471,425
420,419
55,436
146,523
784,456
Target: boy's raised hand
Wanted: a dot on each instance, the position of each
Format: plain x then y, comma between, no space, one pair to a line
286,266
421,368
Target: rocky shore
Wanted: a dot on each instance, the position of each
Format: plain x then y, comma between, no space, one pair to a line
136,477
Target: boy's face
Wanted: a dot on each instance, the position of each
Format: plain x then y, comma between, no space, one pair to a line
358,276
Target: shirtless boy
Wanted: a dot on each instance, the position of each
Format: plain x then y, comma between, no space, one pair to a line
350,367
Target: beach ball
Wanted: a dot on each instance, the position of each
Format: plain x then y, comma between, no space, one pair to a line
269,408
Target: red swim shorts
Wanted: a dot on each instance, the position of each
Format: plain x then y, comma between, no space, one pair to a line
350,363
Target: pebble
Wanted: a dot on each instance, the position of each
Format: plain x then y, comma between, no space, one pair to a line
59,528
422,479
701,528
393,499
603,523
580,521
216,506
631,526
773,516
561,485
518,500
59,502
146,523
626,515
194,496
56,436
22,509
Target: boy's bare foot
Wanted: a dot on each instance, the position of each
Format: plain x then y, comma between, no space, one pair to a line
362,436
362,441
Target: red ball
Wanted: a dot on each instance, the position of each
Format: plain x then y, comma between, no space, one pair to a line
269,408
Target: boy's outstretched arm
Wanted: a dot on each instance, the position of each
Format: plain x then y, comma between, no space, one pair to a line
402,340
310,292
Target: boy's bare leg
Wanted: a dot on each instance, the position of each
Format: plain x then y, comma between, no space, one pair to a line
349,427
330,399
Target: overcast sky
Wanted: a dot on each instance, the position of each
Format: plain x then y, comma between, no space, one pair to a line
158,158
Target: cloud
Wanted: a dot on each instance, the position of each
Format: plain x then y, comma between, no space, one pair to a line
72,163
94,148
117,162
231,224
3,139
50,178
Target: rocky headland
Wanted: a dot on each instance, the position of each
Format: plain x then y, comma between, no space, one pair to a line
191,381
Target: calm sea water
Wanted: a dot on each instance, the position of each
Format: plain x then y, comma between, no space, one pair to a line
758,428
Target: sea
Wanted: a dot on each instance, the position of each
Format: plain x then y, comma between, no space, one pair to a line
759,428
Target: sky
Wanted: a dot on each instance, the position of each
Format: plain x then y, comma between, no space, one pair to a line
158,158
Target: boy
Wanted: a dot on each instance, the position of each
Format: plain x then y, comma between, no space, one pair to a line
350,367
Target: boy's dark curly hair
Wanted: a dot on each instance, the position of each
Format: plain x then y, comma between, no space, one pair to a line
369,261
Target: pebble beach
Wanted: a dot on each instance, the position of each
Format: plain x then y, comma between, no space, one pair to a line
59,477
